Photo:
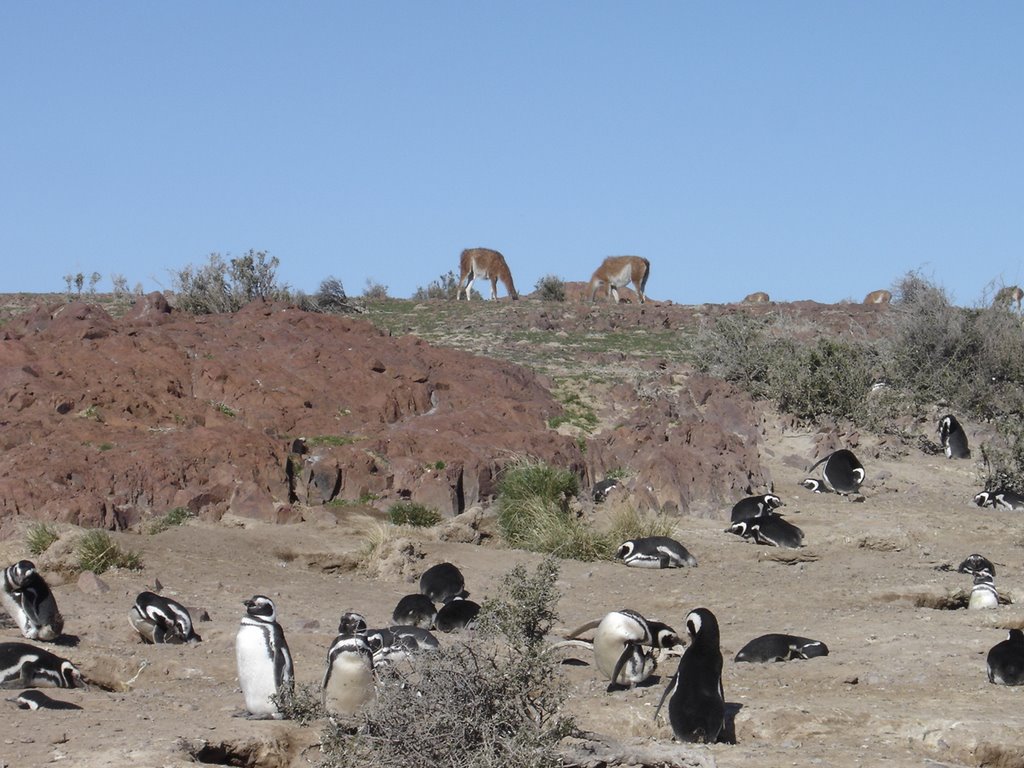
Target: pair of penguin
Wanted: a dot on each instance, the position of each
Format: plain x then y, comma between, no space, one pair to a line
624,646
30,602
841,472
442,583
770,530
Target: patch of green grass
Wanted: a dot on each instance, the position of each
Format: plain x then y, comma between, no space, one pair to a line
224,408
173,518
410,513
576,412
106,446
39,537
98,552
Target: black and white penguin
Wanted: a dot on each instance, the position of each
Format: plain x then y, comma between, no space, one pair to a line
349,679
457,614
1006,660
815,485
696,702
28,599
655,552
601,490
952,438
399,642
442,582
351,623
983,593
416,611
26,666
264,662
779,647
973,564
160,619
36,699
755,506
842,471
624,643
771,530
1001,499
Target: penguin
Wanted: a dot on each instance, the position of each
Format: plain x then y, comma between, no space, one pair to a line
458,613
755,506
983,593
399,642
601,490
36,699
770,530
415,610
443,582
160,619
777,647
953,438
1006,660
696,701
264,662
623,645
351,623
26,666
815,485
349,679
973,564
842,473
655,552
1002,499
28,599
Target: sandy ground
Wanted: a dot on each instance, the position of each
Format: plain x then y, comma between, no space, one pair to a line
904,684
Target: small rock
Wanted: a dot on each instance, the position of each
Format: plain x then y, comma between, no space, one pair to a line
91,584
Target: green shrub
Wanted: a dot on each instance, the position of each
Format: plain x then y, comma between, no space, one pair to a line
1003,457
409,513
97,552
175,517
550,288
39,537
828,378
494,700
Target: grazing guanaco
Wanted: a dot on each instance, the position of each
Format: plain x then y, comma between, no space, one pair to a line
756,298
484,264
880,296
619,271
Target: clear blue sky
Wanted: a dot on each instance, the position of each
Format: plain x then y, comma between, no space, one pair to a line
810,149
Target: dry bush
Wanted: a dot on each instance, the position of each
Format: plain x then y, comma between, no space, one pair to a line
492,701
550,288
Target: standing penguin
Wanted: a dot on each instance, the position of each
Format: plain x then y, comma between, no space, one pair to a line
843,473
28,599
953,438
264,661
443,582
696,705
755,506
349,680
1006,660
983,593
160,619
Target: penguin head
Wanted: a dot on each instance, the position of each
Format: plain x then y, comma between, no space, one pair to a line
71,676
983,576
625,549
702,626
974,563
740,529
984,499
663,636
351,623
21,571
812,484
261,607
771,501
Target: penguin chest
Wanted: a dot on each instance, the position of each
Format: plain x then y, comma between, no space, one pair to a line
348,684
13,606
983,596
257,673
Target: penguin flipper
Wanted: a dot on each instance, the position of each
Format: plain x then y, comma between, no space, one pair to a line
668,689
585,628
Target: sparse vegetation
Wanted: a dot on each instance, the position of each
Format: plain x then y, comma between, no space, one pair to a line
550,288
39,537
444,287
227,286
629,523
334,440
98,552
375,291
175,517
492,701
301,703
575,411
410,513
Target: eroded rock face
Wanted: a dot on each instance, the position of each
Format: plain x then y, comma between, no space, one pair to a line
108,421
